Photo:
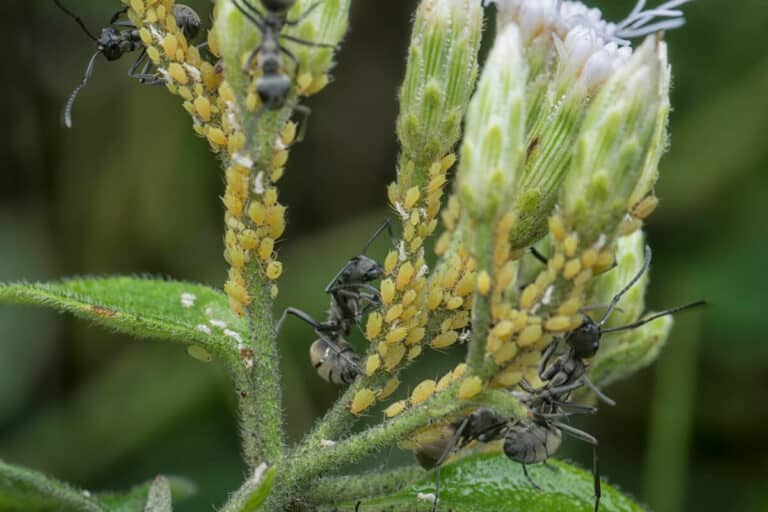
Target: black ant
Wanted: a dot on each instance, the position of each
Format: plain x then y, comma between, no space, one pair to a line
122,37
352,297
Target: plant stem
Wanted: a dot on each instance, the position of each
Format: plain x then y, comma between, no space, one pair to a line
334,490
481,308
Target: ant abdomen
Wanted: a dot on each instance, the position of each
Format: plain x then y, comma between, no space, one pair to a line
336,362
531,442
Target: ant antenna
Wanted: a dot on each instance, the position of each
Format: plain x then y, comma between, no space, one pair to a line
376,234
77,19
616,298
71,99
655,316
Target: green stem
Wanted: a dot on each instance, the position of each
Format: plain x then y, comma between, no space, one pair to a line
334,490
481,308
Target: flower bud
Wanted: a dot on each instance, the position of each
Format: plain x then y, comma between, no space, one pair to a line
614,143
493,148
440,76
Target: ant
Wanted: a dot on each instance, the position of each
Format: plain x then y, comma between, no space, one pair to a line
352,297
122,37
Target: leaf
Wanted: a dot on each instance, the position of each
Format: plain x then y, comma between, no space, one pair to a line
258,498
142,307
493,482
30,491
137,499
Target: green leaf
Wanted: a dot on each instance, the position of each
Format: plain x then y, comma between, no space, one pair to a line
138,499
142,307
258,498
30,491
493,482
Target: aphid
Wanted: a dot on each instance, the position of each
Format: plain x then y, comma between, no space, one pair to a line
352,296
274,84
122,37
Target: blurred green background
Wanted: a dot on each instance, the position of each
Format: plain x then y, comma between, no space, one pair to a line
130,190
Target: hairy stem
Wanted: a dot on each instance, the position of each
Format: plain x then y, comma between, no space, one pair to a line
481,309
334,490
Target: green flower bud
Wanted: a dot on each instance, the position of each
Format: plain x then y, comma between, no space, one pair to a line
440,77
613,144
493,148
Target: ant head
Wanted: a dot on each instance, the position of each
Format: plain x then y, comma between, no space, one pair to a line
364,269
585,339
187,19
109,43
277,5
273,90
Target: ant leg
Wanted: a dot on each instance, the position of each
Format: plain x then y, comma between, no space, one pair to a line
530,480
73,96
599,394
536,254
590,439
119,13
305,14
298,314
357,506
550,467
655,316
446,453
145,77
299,40
253,13
615,300
293,58
547,355
251,57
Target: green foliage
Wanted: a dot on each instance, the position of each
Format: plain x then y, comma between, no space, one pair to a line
141,307
493,482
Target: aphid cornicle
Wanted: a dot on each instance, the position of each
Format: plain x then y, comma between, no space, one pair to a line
352,296
122,37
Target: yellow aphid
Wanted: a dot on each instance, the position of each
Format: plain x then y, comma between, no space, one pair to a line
589,258
257,212
409,297
411,197
389,387
459,371
304,81
530,335
396,335
570,306
318,84
470,387
265,249
529,296
274,269
414,352
507,351
605,259
280,158
444,382
408,232
404,275
508,378
251,102
146,36
373,327
390,262
394,356
277,228
216,136
138,6
236,142
558,323
176,71
273,291
395,409
571,268
445,339
393,194
170,45
274,214
372,364
556,262
387,291
447,162
460,320
288,133
504,329
416,244
415,335
276,174
364,399
236,307
557,228
645,207
199,353
237,292
466,285
434,169
483,282
270,196
203,108
234,204
414,219
435,298
423,391
236,257
583,277
570,244
185,92
450,277
249,239
382,349
629,226
394,313
226,93
436,183
454,303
